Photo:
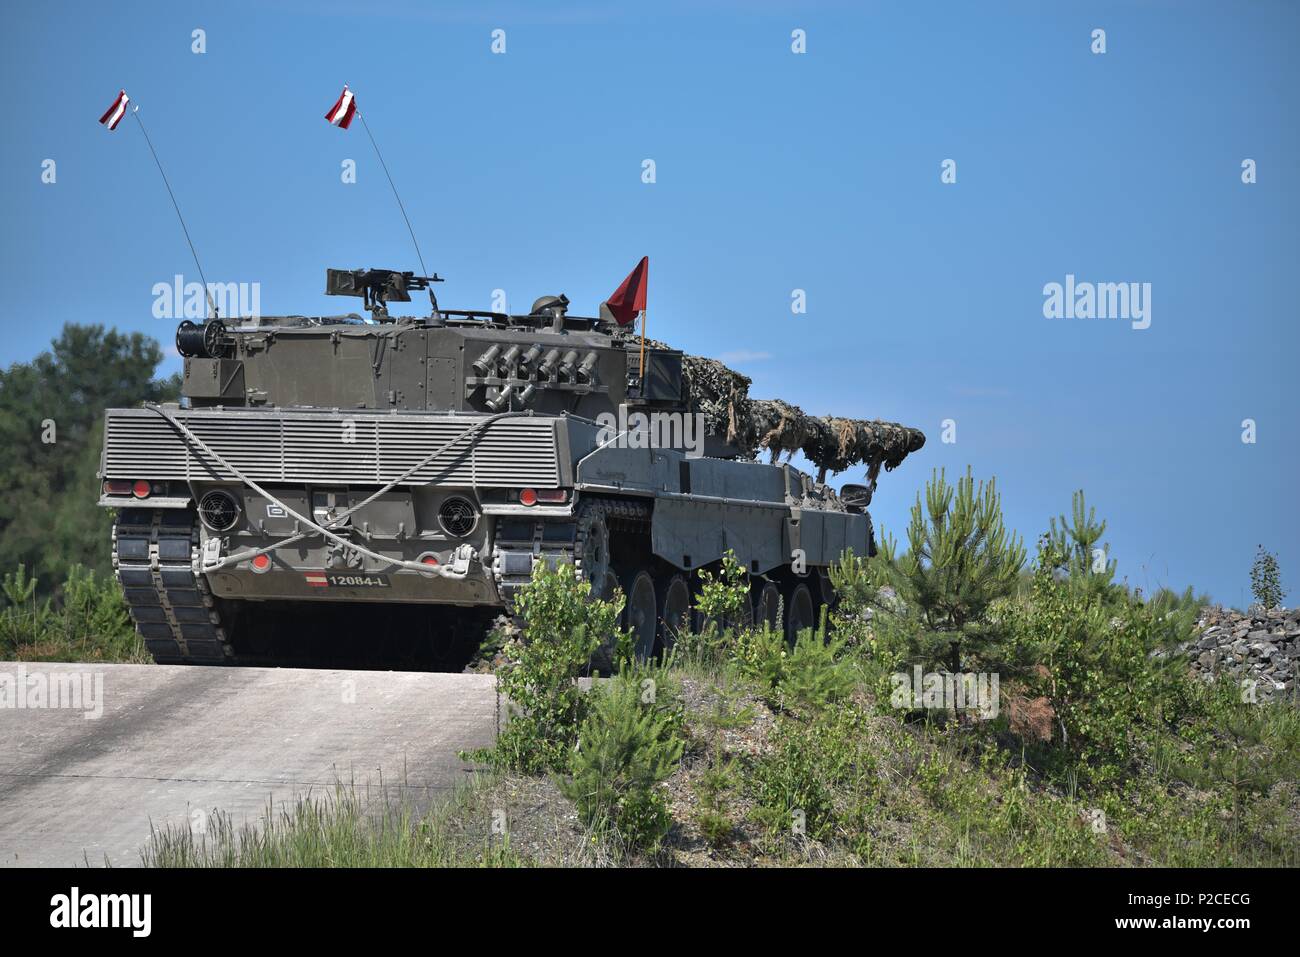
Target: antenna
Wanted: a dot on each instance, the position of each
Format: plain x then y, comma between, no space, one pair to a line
212,306
433,300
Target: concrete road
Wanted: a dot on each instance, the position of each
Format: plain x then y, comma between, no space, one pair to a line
173,739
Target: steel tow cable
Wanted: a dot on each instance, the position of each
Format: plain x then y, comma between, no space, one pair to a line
323,530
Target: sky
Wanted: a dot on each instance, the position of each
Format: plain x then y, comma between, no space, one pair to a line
774,171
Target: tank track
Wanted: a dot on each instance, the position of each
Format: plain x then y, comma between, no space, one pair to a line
629,516
156,560
513,559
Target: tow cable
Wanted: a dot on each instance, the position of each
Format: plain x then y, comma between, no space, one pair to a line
458,569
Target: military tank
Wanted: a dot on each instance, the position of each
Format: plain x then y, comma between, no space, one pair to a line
359,491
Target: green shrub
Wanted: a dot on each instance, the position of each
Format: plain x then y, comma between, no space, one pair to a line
721,608
86,620
806,678
1088,567
715,782
961,561
816,675
563,628
812,765
794,797
1107,692
722,597
1266,580
715,827
760,655
629,742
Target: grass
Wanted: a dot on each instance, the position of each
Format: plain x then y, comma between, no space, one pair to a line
345,828
84,621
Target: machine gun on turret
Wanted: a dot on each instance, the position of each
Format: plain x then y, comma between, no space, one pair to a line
378,287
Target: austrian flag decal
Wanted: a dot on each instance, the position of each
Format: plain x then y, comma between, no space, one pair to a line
113,115
343,111
317,579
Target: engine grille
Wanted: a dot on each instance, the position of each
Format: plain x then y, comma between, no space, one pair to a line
278,446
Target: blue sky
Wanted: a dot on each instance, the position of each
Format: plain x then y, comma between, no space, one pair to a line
775,172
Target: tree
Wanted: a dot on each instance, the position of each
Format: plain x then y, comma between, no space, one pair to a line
1075,543
960,560
51,429
1266,580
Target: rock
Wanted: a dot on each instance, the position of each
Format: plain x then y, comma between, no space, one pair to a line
1258,647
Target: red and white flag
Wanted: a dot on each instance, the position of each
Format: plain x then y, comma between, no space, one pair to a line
341,113
113,115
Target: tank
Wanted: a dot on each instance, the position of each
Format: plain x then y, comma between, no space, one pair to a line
374,491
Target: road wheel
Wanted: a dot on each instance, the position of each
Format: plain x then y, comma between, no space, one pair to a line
642,614
824,591
674,612
593,554
798,612
767,605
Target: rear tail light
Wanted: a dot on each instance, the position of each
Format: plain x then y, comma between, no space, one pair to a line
140,488
430,559
531,496
261,563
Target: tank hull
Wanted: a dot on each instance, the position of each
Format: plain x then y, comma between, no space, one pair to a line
665,509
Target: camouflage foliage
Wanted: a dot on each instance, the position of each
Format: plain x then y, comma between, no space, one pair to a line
752,426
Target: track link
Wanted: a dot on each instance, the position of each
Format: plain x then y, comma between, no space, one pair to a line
618,516
156,560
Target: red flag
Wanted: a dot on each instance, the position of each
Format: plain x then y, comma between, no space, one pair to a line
341,113
113,115
629,298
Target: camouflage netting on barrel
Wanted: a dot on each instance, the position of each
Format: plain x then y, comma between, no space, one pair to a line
831,443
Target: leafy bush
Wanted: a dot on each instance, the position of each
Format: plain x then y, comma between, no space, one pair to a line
811,764
1104,687
717,780
722,597
806,678
563,628
1266,580
721,609
86,620
630,741
760,654
816,674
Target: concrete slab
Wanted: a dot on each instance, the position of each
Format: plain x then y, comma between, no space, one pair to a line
172,739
